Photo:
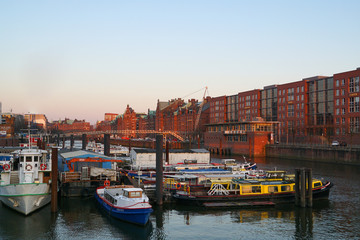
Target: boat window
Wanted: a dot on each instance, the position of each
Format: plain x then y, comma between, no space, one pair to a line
109,198
256,189
28,159
135,194
317,184
36,158
285,188
273,189
246,189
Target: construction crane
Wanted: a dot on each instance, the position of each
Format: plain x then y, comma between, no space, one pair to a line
196,126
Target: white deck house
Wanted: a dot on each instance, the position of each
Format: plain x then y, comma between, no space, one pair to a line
146,158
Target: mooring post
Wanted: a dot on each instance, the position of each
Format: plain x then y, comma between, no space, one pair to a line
71,142
159,169
63,142
309,183
84,142
54,179
167,152
107,144
297,187
58,139
303,189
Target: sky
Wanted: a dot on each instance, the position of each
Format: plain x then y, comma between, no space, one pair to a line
81,59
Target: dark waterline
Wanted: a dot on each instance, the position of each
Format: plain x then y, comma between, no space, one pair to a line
336,218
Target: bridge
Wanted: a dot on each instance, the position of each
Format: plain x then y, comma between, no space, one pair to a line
165,133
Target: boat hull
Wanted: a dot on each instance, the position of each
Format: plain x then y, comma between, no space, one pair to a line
25,198
321,193
139,216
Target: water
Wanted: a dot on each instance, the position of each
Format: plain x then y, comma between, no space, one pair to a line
336,218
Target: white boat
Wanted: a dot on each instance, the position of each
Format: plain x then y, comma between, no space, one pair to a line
125,203
25,181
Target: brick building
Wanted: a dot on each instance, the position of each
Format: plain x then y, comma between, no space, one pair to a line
187,119
315,110
68,125
346,106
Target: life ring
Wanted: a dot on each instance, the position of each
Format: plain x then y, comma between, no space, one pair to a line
178,186
106,183
43,167
28,167
6,167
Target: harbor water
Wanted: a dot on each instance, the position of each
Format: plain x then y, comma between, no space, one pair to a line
82,218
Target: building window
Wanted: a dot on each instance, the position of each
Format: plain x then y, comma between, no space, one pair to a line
354,84
290,110
342,92
291,94
337,131
337,102
337,111
343,120
342,82
354,125
302,88
354,104
338,121
337,92
337,83
343,111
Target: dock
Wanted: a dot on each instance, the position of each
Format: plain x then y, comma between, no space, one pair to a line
238,204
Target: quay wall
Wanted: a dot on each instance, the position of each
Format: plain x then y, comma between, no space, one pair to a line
339,154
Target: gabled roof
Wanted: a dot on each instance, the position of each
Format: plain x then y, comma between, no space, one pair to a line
82,154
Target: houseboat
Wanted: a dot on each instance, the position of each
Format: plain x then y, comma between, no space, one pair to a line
282,191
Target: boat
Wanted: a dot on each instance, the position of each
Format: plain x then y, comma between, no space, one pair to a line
247,190
25,181
125,202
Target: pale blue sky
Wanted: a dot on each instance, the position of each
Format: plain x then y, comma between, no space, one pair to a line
80,59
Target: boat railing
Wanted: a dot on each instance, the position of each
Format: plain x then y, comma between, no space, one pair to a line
218,189
70,176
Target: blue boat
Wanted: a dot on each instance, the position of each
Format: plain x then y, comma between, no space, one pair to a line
125,203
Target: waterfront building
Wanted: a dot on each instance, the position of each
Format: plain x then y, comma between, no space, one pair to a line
315,110
68,125
346,106
249,105
187,119
269,103
292,110
110,117
7,124
39,119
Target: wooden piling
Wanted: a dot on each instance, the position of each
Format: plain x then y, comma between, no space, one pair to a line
107,144
71,142
302,188
54,179
167,152
159,169
84,142
309,184
63,141
297,187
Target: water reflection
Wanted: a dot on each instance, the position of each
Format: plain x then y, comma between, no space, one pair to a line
14,225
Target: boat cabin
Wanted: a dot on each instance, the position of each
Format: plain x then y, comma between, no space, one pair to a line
27,166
